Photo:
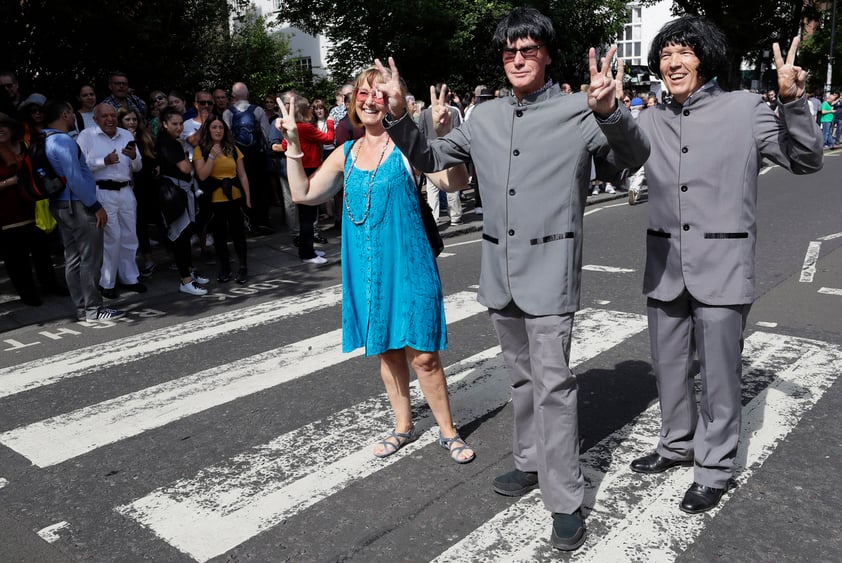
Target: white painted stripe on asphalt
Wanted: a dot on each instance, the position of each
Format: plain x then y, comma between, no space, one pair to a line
625,506
228,504
57,439
3,482
830,237
767,324
50,533
51,369
608,269
657,530
808,270
830,291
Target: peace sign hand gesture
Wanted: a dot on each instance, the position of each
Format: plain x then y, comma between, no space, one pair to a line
286,124
439,111
391,88
602,90
792,79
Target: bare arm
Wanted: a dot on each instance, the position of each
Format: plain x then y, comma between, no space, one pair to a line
451,180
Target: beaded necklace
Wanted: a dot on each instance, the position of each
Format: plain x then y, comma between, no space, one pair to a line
370,184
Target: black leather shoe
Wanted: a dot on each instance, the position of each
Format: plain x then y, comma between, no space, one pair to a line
108,292
136,287
700,498
568,531
655,463
515,483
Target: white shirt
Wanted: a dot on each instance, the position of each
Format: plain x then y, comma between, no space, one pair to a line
96,145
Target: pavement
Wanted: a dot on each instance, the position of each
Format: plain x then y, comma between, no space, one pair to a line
267,255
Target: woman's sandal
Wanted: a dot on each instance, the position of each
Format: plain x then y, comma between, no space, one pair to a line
402,439
447,443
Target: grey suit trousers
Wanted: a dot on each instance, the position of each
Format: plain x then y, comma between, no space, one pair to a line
546,427
709,433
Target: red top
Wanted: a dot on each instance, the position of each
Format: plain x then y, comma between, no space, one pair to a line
311,140
14,207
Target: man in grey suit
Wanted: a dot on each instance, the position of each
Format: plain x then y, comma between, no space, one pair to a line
707,146
532,152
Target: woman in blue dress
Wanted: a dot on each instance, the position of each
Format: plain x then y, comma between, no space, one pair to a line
392,302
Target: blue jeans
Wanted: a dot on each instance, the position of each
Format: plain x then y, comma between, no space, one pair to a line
827,127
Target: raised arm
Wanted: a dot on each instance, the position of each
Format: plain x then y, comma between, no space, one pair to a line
325,182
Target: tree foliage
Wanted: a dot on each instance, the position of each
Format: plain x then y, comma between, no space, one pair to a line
55,47
751,27
434,41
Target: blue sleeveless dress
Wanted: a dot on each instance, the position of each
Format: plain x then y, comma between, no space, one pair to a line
391,290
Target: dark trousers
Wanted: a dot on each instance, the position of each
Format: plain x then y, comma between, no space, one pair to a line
306,230
257,172
228,220
182,253
16,246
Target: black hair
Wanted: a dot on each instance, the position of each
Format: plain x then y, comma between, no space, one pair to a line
165,115
707,40
54,108
521,23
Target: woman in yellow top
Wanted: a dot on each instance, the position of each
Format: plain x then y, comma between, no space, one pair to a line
219,168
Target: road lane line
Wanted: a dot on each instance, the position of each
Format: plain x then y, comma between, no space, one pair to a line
52,369
608,269
227,504
830,291
635,517
62,437
808,269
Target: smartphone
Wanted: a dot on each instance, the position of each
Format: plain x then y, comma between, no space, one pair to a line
130,145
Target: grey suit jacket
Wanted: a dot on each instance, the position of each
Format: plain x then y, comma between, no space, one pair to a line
533,164
702,178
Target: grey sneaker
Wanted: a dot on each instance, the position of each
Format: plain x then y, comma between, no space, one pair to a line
632,197
105,314
568,531
515,483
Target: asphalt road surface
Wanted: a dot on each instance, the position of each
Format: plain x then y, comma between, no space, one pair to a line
232,428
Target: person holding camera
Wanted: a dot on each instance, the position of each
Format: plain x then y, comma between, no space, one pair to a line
221,173
111,154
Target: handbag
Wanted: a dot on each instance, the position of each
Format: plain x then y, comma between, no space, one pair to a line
431,227
173,200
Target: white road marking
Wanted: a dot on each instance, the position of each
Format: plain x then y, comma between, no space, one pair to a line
831,291
227,504
830,237
50,533
767,324
808,270
51,369
464,243
62,437
609,269
446,255
635,517
3,482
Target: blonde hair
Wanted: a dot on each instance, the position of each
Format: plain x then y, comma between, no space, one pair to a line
369,76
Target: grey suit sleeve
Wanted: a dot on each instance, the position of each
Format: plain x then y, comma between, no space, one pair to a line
430,155
793,141
629,147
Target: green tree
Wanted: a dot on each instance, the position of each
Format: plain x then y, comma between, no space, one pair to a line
751,28
816,48
434,41
54,47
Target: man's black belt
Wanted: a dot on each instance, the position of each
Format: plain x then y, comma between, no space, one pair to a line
112,185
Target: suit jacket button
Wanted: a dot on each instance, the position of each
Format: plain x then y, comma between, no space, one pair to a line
686,112
686,227
511,232
519,113
683,188
684,149
512,192
516,152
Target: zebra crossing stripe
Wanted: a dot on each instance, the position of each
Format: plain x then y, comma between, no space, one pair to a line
226,505
75,363
57,439
636,517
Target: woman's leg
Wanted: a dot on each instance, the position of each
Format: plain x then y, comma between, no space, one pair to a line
219,228
431,379
395,374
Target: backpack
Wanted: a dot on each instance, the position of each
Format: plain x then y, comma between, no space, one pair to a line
246,128
36,176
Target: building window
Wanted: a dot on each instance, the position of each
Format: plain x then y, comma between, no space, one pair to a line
276,5
302,64
629,44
